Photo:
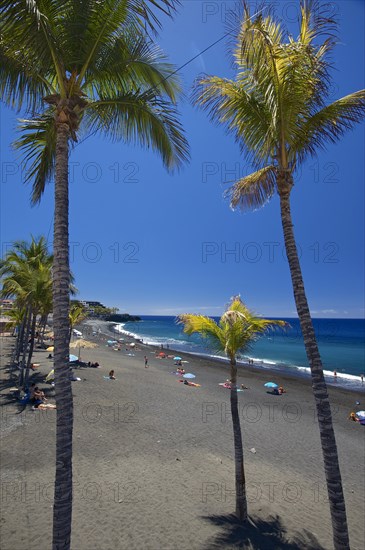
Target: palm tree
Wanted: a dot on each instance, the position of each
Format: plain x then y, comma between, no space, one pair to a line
237,329
276,109
77,314
97,70
26,276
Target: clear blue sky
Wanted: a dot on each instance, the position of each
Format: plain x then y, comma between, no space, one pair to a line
153,243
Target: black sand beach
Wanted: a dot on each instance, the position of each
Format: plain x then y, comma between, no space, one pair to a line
153,459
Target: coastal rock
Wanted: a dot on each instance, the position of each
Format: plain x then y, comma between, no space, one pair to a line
122,318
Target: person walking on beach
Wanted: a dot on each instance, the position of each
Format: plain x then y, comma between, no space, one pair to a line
145,362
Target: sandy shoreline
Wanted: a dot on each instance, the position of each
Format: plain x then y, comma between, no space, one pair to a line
270,369
153,463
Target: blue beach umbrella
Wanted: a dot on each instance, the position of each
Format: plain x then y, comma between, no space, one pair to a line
73,358
177,358
189,375
270,385
361,415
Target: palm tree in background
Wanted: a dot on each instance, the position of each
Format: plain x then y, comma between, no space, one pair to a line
26,275
77,314
237,329
277,110
85,66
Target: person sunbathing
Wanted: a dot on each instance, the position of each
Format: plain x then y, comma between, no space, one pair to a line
111,375
187,383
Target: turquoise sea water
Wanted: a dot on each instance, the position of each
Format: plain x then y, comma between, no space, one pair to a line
341,344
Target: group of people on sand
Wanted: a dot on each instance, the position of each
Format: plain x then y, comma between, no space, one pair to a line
93,365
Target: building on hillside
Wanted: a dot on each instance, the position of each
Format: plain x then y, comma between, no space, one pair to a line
6,305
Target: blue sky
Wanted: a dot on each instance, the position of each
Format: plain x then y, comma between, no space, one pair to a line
150,242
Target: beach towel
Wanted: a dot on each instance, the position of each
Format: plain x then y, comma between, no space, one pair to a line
108,378
43,406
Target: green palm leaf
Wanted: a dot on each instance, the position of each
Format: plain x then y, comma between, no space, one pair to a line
132,62
141,118
329,124
38,147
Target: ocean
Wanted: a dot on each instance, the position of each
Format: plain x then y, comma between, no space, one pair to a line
341,344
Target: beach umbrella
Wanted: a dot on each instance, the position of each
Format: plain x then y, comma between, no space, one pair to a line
81,343
50,376
270,385
361,415
72,358
189,375
51,348
132,344
177,358
161,354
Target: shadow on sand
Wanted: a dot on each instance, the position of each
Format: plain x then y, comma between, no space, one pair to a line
258,534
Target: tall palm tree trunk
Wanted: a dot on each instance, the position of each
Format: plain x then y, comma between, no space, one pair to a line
327,435
43,329
241,499
62,511
31,348
25,345
20,337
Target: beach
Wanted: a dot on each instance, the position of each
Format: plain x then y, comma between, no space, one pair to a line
153,458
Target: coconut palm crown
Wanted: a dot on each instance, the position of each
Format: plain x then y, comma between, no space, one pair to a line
277,107
91,66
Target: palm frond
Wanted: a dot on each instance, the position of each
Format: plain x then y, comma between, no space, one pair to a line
329,124
242,112
145,11
20,82
38,147
316,21
29,28
101,22
206,327
253,191
131,63
142,118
